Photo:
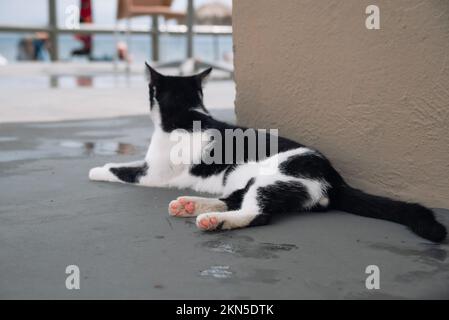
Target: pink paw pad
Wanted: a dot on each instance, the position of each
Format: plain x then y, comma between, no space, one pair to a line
208,223
189,207
181,207
173,208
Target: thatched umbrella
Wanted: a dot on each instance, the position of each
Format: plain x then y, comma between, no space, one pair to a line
214,13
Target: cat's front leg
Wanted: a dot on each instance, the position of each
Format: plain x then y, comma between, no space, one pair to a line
129,172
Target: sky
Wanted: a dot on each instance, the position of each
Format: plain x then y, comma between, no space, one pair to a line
34,12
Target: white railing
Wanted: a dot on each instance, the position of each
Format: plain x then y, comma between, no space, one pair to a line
53,30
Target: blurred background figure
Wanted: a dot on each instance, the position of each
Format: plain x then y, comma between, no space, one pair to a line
85,39
34,48
122,51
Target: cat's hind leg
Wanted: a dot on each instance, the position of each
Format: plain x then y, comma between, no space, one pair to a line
192,206
231,220
262,200
129,172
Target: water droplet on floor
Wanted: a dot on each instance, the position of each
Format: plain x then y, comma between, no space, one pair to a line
219,272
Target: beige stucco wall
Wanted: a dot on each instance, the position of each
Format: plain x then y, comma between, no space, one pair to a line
375,102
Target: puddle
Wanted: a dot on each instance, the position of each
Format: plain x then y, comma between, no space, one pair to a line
68,148
100,148
427,255
243,246
278,247
72,139
432,261
252,275
222,247
219,272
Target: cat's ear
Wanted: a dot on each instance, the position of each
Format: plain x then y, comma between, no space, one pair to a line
203,76
152,75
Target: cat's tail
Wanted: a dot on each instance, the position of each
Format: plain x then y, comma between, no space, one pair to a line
416,217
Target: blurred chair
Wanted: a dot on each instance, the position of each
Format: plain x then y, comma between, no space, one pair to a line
127,9
192,63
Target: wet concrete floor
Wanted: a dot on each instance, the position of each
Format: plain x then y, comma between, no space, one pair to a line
126,245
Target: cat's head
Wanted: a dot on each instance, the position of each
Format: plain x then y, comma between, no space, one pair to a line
176,94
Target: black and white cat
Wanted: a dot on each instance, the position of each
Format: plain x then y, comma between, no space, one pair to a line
302,179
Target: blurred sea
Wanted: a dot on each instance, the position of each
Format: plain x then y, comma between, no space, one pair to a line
171,46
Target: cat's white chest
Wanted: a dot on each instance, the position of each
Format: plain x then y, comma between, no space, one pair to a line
171,155
158,157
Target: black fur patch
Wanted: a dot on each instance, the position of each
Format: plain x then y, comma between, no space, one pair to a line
228,172
310,166
282,197
130,174
418,218
177,97
314,166
260,220
234,200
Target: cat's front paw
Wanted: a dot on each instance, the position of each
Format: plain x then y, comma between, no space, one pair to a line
101,174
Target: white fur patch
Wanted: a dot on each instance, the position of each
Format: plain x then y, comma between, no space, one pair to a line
104,174
203,205
155,113
324,201
240,176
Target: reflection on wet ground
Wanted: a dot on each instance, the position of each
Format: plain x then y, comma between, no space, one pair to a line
245,246
50,149
22,142
428,254
101,148
81,138
225,273
95,81
220,272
